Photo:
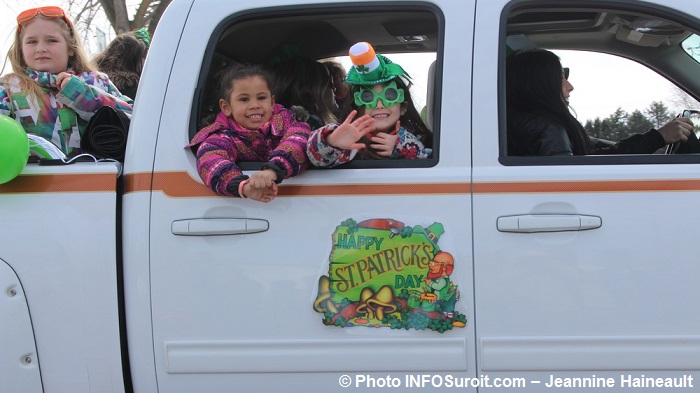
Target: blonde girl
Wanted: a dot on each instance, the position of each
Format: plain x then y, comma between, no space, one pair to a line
53,89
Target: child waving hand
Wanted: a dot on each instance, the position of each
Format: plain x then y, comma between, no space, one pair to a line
389,126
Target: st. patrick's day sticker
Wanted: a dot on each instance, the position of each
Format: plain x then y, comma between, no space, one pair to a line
384,273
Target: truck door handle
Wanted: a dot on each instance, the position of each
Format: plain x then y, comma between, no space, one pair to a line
530,223
218,226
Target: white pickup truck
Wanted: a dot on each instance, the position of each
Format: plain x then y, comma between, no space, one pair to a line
566,273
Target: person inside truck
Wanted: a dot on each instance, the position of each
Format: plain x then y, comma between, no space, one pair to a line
53,89
123,60
539,120
303,85
250,127
338,75
378,90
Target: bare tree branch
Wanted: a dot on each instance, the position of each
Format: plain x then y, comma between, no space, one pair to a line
682,100
141,13
148,13
108,7
82,14
121,17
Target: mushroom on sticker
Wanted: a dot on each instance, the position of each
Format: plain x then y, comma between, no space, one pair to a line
377,304
323,301
362,308
382,302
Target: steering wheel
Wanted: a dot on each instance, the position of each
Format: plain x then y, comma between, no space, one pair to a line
691,146
673,147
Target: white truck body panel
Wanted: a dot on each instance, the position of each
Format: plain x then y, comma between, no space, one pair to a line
60,232
622,286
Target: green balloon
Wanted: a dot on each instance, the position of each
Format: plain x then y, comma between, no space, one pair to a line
14,148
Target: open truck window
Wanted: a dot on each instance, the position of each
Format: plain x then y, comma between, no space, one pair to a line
635,60
410,36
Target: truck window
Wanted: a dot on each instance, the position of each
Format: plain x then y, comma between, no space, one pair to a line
411,37
628,73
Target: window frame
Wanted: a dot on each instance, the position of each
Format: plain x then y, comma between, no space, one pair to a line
319,11
685,20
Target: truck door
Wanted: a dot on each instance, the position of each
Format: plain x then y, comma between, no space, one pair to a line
584,269
324,287
60,304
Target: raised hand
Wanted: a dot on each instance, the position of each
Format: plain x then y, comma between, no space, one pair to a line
348,133
62,80
384,143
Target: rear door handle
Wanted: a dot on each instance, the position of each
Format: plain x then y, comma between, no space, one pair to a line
531,223
218,226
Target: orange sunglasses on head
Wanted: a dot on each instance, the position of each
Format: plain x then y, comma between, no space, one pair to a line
50,11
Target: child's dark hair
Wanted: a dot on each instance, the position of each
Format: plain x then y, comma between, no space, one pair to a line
534,85
302,81
225,78
410,120
124,53
338,74
240,71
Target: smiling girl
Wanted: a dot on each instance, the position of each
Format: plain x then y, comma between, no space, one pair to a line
389,125
250,127
53,90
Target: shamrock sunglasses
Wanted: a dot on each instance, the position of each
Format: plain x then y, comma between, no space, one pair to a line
390,95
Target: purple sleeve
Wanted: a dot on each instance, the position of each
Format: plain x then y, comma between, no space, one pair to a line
216,163
290,153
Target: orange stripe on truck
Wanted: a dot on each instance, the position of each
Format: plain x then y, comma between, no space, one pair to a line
180,184
74,182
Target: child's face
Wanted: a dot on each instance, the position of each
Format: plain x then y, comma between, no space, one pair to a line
250,103
43,46
385,117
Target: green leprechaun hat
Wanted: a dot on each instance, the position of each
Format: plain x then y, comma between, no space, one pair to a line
433,233
370,68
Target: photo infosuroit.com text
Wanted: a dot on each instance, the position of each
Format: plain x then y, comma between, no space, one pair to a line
624,380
